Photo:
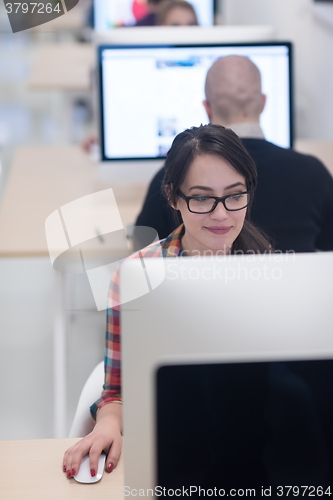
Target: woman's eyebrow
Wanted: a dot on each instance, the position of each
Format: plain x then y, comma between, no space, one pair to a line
235,185
206,188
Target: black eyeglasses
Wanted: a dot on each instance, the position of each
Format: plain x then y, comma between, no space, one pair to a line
207,204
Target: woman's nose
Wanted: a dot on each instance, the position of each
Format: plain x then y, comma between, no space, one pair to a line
220,212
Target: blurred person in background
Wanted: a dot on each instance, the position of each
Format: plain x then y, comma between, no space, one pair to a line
294,197
176,13
150,18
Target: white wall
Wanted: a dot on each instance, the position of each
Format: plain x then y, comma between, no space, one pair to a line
296,21
26,346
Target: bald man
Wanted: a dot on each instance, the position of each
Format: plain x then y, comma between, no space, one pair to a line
233,94
293,202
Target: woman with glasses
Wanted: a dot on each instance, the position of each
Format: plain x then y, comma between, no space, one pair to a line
210,178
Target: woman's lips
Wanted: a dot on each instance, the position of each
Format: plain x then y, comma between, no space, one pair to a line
219,230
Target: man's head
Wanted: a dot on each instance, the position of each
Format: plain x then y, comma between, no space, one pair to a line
153,5
176,13
233,91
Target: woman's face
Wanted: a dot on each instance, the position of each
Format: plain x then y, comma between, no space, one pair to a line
211,175
178,16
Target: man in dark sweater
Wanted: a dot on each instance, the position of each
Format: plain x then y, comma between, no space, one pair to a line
293,202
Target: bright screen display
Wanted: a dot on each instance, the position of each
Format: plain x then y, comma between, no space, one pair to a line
115,13
150,94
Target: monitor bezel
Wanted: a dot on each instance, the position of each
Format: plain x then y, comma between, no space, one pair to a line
214,5
102,48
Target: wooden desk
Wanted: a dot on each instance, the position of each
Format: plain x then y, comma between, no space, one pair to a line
72,21
33,469
63,67
41,180
323,150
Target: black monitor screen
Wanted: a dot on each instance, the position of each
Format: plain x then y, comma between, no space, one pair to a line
238,426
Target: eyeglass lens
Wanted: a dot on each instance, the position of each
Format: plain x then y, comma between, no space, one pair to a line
205,203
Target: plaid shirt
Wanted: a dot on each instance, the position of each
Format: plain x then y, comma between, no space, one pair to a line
169,247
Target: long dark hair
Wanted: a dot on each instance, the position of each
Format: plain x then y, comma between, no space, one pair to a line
219,141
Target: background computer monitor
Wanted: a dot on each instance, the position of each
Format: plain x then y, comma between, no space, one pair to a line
214,310
148,94
115,13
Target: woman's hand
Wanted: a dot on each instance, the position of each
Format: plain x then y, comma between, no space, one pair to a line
106,436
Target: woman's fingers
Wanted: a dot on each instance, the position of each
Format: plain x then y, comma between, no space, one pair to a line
114,453
73,456
94,446
106,436
67,462
64,462
94,455
80,451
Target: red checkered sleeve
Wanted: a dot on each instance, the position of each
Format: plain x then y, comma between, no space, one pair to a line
112,384
170,247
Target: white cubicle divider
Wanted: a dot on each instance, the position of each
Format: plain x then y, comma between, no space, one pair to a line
187,34
128,171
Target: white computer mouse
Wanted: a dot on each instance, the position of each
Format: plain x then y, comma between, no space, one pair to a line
84,476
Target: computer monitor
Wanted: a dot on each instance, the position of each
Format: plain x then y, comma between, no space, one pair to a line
148,94
265,313
245,426
117,13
